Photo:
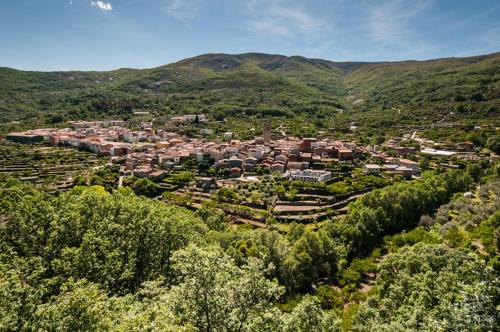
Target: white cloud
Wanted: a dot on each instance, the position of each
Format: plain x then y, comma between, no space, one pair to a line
183,9
277,18
390,20
104,6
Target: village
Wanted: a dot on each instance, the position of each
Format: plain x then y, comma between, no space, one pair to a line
271,177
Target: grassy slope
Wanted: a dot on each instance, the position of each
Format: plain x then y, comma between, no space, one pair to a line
421,83
229,84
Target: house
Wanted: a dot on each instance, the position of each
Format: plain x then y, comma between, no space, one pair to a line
319,151
297,165
25,138
235,162
190,118
345,154
157,176
203,157
310,176
235,172
405,171
267,161
256,153
402,171
230,152
390,167
292,157
162,144
248,167
120,150
117,123
306,156
403,150
413,165
466,146
372,169
206,183
305,145
251,160
277,167
281,158
142,171
216,154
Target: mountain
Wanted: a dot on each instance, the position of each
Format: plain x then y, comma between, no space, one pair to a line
253,84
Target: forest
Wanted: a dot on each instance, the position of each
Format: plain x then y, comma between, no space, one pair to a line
411,256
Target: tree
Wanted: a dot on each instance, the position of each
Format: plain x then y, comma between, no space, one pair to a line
394,208
474,170
203,168
214,219
183,177
115,240
146,187
295,232
429,288
146,310
79,180
81,306
313,255
216,295
308,316
493,143
22,288
96,180
424,163
56,118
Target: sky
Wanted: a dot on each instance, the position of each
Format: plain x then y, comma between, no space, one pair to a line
51,35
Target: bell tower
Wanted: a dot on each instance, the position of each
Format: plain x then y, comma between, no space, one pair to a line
266,132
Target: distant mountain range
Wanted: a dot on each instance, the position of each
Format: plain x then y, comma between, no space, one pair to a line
224,84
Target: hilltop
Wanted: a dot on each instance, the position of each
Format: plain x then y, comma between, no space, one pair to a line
254,84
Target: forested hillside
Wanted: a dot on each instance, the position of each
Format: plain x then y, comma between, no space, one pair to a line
222,85
413,256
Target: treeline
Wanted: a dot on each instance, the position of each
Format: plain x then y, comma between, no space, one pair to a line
395,208
141,234
89,260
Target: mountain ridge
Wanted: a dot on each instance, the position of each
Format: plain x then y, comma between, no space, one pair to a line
223,85
257,54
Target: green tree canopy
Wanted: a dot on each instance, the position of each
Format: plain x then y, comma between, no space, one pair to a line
431,288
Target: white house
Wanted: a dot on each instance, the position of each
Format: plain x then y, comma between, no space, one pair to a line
310,176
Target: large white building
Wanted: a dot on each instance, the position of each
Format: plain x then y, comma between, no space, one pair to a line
310,176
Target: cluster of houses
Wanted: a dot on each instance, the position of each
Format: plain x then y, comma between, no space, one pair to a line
149,153
152,153
291,155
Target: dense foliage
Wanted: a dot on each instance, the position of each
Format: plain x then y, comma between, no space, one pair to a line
431,288
90,260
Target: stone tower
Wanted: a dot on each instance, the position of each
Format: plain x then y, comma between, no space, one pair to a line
266,132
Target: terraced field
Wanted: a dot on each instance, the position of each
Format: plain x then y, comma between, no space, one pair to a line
42,164
305,208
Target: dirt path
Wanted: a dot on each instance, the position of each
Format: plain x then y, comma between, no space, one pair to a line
480,247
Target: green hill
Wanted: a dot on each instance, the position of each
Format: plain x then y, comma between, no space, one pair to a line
257,85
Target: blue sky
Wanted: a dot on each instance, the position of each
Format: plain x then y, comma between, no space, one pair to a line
109,34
